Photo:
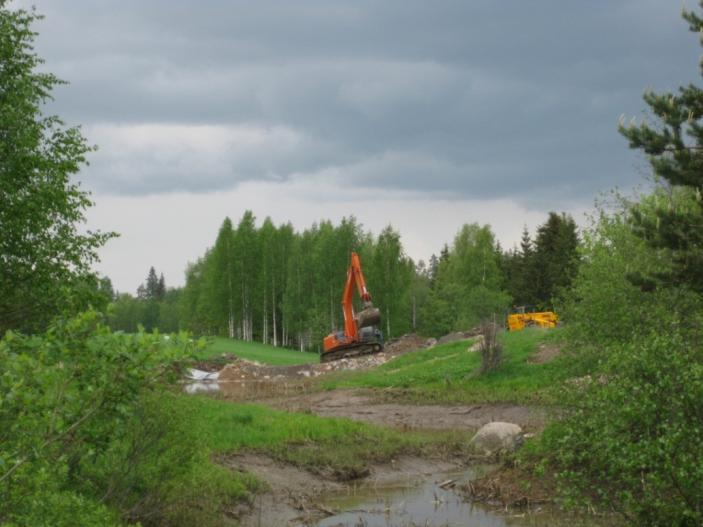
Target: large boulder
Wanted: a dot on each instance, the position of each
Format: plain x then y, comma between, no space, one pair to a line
497,437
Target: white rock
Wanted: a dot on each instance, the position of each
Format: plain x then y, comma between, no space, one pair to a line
497,437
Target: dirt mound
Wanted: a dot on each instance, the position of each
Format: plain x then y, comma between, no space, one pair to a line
215,363
243,370
360,406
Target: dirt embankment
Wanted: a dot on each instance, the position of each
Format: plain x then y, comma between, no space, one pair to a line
293,495
360,406
242,370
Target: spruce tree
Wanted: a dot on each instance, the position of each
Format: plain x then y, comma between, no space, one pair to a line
674,147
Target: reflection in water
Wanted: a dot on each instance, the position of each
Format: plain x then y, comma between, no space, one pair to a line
426,504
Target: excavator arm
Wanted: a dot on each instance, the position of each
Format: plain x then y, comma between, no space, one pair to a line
355,277
352,342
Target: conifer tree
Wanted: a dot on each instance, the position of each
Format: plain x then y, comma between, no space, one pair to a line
674,147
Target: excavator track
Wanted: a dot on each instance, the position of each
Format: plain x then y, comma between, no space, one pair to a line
355,350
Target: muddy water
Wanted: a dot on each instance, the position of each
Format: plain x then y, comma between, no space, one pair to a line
424,503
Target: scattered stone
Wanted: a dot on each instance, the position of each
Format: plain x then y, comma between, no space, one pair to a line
459,335
430,343
240,369
497,437
476,346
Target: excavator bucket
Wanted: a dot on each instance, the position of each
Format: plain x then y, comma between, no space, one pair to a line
368,317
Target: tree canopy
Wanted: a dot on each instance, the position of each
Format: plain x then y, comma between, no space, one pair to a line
45,258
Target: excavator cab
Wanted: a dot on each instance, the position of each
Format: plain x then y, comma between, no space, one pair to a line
361,335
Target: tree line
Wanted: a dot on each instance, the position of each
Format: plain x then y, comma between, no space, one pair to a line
276,285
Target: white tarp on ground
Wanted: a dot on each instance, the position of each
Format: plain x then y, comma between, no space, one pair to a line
200,375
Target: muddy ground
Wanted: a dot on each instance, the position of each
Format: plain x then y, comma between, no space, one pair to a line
292,494
363,406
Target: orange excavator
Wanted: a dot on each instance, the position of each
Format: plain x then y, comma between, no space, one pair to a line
361,335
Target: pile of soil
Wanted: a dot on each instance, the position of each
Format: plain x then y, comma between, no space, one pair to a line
239,370
215,363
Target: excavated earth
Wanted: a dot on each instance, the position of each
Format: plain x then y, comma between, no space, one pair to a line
292,493
362,406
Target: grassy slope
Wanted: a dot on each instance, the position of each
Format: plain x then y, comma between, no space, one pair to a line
340,447
256,351
448,373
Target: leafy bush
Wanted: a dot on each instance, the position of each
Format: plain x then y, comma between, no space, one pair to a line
90,434
636,433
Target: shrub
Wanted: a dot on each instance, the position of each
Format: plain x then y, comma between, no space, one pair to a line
87,423
633,442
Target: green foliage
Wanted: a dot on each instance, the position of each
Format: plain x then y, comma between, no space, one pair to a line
450,373
89,435
466,286
541,270
154,307
635,432
45,258
674,147
603,306
341,446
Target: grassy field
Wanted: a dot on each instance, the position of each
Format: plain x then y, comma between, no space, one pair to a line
449,373
256,351
338,447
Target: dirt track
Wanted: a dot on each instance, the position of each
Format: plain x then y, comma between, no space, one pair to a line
362,407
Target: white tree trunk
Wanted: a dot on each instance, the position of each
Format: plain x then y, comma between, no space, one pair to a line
273,304
388,323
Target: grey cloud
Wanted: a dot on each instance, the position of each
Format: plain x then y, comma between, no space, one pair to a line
471,99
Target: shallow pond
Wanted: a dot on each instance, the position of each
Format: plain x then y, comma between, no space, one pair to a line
423,503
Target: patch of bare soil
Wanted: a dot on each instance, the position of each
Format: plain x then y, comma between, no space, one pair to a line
241,370
509,488
292,494
359,406
242,379
546,352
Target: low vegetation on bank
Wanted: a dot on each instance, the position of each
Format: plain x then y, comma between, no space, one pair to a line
451,372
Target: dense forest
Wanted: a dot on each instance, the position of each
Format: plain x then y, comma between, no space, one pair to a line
277,285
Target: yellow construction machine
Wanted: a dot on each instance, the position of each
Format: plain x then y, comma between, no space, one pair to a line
524,317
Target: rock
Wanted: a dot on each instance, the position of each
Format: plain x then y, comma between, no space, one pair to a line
431,343
476,346
497,437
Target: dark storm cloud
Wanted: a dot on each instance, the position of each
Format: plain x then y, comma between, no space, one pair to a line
478,99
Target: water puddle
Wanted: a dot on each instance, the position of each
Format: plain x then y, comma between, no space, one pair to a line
428,502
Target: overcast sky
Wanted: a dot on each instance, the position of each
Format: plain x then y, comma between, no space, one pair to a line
425,115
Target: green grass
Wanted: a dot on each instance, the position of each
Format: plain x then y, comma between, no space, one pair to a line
449,373
337,447
256,351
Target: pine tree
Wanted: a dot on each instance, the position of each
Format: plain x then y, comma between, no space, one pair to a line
555,257
161,289
152,285
674,147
